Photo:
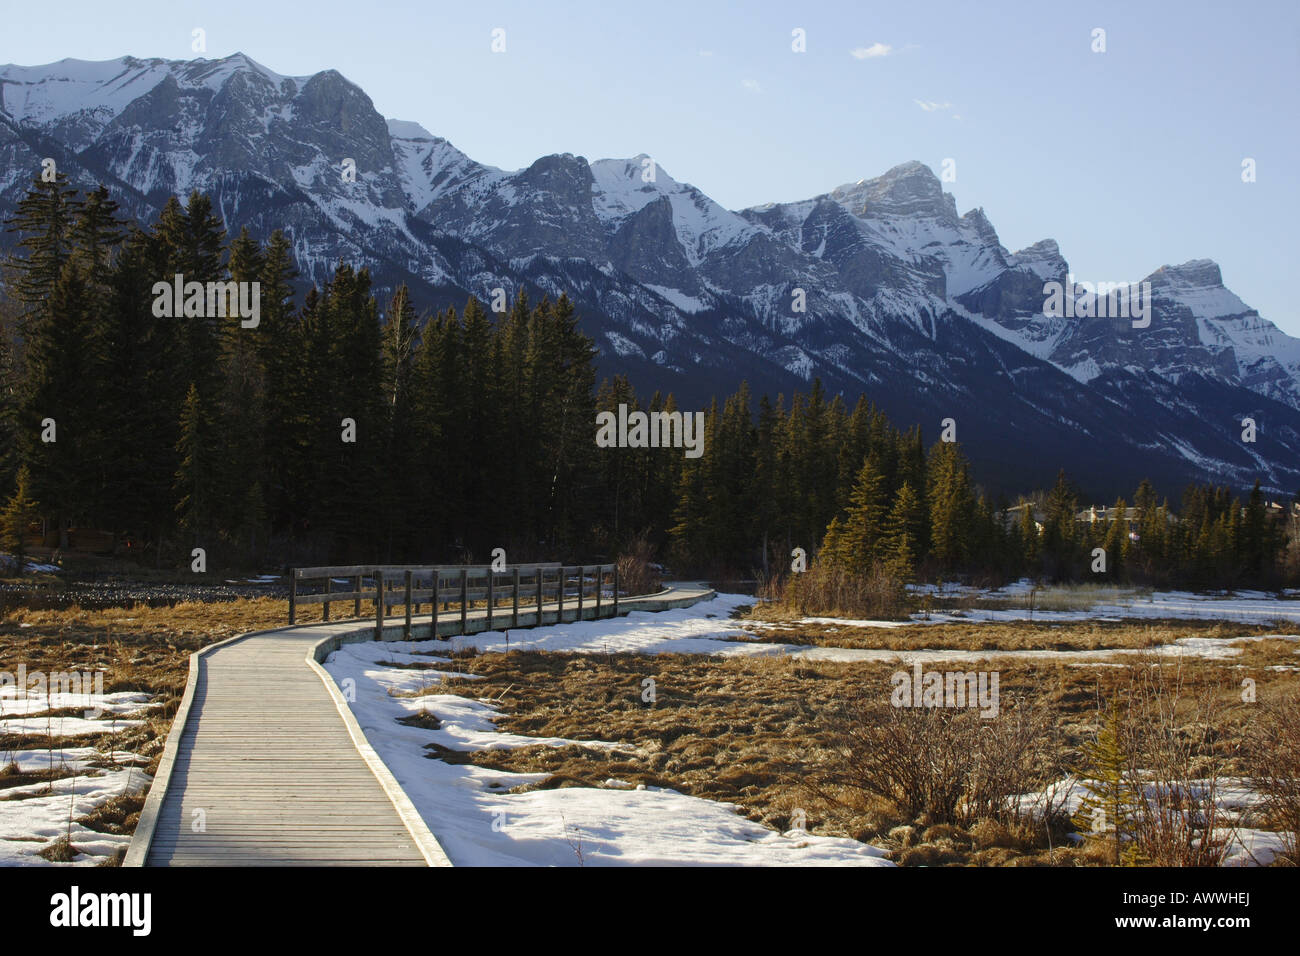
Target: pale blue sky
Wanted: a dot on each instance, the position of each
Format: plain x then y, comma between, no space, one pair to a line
1129,159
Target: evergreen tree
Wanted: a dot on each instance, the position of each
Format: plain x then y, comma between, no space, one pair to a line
1254,548
19,512
1116,542
903,531
61,395
951,501
1060,535
403,482
194,475
864,526
1107,809
96,232
43,223
1030,537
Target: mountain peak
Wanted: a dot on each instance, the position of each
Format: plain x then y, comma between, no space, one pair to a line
405,129
908,189
1193,274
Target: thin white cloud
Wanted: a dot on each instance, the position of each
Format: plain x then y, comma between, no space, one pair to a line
752,86
931,106
705,52
871,52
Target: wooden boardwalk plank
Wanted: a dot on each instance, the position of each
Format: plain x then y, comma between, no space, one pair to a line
267,766
269,772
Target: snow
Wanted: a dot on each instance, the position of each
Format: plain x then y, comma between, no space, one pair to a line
8,561
30,820
32,815
102,89
1245,607
63,726
99,90
678,298
429,167
702,226
122,702
478,823
623,345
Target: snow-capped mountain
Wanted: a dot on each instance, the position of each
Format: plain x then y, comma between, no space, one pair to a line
879,286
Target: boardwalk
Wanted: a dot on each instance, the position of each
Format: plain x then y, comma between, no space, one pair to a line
265,765
267,771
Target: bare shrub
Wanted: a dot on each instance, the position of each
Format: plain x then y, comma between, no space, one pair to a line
945,765
1273,758
1169,740
637,573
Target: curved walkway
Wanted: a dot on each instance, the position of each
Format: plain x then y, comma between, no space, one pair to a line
265,764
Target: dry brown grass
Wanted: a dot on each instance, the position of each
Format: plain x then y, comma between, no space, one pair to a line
826,589
141,649
759,732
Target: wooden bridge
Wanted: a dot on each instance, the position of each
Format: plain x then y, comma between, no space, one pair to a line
265,764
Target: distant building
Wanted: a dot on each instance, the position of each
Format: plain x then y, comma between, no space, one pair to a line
1013,517
1105,515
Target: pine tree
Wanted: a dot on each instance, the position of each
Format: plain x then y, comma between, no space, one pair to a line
402,479
132,346
61,386
1116,542
19,512
96,233
241,415
43,223
951,501
1254,537
903,531
1060,533
192,243
766,483
864,525
1110,799
1030,538
194,475
281,343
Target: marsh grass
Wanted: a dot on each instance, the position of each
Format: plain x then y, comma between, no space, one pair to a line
766,734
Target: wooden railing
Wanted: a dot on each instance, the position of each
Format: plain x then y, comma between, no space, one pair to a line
534,589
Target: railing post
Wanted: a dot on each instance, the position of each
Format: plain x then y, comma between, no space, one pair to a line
328,582
464,600
434,607
293,595
559,596
406,631
582,575
379,605
514,617
616,589
491,598
600,583
356,589
539,595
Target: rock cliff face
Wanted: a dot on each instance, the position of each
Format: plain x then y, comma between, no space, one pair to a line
904,299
